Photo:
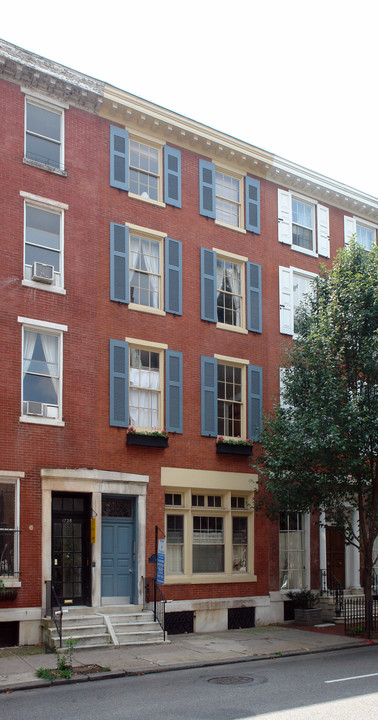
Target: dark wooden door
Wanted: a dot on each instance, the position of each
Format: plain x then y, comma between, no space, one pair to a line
335,542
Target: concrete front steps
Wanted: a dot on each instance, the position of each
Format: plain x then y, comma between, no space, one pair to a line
109,625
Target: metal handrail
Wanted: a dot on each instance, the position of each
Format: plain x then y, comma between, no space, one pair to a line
159,606
330,585
54,610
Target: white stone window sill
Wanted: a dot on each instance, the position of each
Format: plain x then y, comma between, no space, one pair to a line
45,166
44,286
230,227
303,251
233,328
179,579
34,420
147,200
147,309
10,582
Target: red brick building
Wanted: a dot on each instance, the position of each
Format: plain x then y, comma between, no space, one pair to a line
151,267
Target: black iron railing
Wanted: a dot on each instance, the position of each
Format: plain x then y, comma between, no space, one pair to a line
153,599
9,541
360,616
54,609
331,586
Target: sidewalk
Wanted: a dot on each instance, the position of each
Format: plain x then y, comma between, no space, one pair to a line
17,671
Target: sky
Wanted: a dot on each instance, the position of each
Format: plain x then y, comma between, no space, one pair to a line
293,77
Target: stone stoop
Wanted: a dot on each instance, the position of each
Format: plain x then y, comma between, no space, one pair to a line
108,625
327,604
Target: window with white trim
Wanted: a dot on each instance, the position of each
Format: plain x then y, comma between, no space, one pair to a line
292,551
9,528
209,534
42,360
295,287
145,271
228,196
43,244
364,232
231,404
145,388
230,292
303,224
145,170
44,134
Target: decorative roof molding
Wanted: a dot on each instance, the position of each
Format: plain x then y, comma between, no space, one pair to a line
58,82
49,78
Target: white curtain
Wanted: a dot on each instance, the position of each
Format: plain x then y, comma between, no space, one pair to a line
152,266
50,349
144,397
30,339
233,276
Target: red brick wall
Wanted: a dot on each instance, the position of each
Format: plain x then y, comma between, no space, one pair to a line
87,440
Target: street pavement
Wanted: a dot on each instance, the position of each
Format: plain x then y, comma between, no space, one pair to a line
17,669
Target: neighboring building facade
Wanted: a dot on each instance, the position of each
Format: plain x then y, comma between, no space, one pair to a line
151,269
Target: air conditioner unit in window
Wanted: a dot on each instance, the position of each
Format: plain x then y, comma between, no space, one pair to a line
43,273
34,408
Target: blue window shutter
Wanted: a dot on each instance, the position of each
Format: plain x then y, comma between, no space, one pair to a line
254,402
173,276
254,309
172,176
209,382
173,391
119,263
252,204
119,383
208,285
119,158
207,188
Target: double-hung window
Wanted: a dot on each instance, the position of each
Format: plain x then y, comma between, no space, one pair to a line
44,134
303,224
231,397
295,287
230,291
292,551
145,379
209,531
145,269
231,381
42,371
144,388
43,243
228,198
144,168
364,232
9,526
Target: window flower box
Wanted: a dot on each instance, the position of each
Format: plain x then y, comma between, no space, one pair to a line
233,447
8,594
156,438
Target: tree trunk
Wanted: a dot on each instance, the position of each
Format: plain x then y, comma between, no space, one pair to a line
368,597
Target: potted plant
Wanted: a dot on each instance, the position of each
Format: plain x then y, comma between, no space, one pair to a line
7,593
147,438
306,607
234,446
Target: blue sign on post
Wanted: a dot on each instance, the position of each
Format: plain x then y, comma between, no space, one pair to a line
160,562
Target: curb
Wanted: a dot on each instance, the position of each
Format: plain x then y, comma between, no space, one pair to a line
113,674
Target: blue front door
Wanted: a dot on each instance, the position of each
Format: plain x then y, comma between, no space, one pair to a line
118,577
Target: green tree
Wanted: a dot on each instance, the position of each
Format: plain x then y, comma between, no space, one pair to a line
320,448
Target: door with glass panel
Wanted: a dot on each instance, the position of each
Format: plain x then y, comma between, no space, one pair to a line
71,548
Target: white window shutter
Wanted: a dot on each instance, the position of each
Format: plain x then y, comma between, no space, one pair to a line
323,231
284,217
286,301
349,228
